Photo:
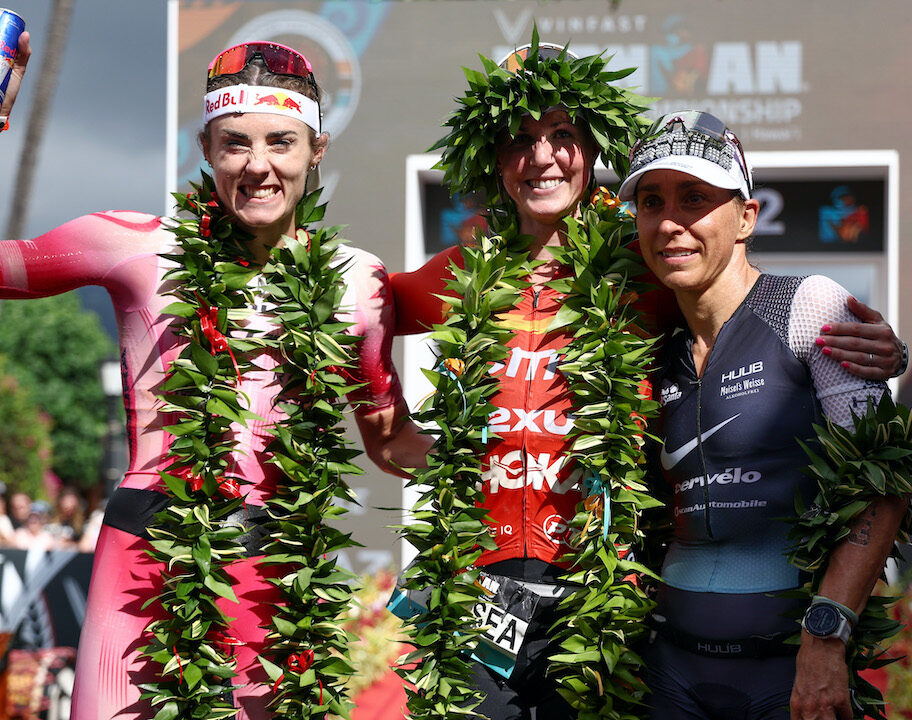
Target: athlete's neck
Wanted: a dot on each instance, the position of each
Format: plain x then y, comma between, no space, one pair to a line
543,236
706,310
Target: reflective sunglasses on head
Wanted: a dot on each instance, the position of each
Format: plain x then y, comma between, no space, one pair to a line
546,51
279,59
688,133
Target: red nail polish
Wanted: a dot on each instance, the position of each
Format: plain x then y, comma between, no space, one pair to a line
826,351
820,341
825,328
845,364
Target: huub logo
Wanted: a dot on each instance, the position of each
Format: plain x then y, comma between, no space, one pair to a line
754,367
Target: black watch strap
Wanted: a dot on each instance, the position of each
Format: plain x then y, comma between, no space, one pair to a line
904,363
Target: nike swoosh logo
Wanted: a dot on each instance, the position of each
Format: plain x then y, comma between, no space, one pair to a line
670,459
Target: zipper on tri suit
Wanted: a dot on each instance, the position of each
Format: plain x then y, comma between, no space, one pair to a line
709,532
525,455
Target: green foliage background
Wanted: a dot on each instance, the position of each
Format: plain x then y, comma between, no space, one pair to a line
25,443
54,347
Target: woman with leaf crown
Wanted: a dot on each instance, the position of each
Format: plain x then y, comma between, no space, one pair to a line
215,591
533,489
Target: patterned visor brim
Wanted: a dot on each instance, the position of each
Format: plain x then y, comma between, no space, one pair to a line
680,141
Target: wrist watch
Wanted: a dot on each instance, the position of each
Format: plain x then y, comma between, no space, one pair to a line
904,363
826,619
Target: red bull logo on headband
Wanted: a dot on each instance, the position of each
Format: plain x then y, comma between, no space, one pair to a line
258,99
279,100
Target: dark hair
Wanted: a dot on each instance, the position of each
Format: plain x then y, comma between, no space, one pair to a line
255,72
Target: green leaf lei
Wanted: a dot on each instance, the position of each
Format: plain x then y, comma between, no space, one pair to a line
853,467
199,534
604,363
447,528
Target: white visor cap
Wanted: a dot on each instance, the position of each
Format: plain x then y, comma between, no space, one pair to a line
715,159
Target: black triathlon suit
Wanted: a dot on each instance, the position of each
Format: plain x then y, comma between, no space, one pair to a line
731,458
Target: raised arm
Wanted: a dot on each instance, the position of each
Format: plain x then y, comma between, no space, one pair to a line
23,54
97,249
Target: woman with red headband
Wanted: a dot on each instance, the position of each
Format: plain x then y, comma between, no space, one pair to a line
238,329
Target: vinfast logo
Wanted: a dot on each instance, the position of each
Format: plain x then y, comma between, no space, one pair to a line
509,472
731,476
670,459
746,81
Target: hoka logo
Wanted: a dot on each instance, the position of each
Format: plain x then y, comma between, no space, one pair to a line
509,472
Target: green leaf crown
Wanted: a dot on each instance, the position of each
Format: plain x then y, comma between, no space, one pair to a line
497,100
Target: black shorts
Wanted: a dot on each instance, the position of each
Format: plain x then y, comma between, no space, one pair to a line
687,686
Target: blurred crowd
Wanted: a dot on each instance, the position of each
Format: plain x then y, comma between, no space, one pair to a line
65,524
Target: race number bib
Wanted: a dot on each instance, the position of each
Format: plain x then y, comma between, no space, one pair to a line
503,616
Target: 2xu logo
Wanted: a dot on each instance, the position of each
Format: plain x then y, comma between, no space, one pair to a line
535,421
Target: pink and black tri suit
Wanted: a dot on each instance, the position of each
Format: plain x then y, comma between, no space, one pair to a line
121,251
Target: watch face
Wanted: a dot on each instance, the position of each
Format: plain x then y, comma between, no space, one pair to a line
821,620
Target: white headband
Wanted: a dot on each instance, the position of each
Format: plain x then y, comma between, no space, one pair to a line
259,99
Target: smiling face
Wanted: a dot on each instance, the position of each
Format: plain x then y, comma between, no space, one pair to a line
691,233
260,164
546,168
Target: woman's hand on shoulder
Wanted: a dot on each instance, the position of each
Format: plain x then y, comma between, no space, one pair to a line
22,58
869,348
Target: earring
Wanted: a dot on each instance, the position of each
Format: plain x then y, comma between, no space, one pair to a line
313,166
